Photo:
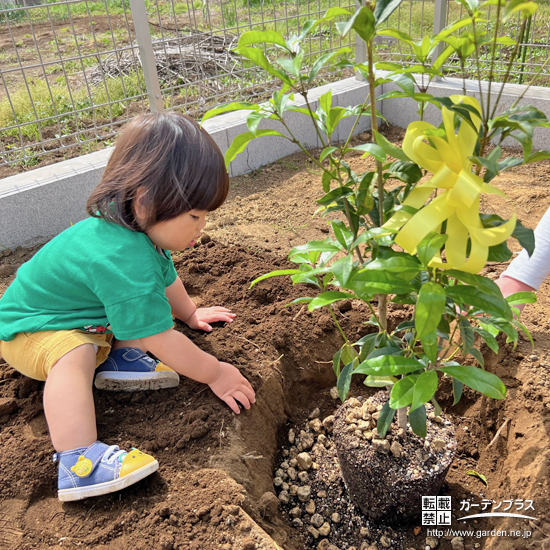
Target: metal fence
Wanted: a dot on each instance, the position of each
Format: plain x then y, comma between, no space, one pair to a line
72,72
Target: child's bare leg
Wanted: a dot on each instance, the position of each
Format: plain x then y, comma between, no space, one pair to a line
69,402
129,344
87,467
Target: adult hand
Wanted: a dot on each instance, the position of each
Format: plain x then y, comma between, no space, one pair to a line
231,386
509,286
205,315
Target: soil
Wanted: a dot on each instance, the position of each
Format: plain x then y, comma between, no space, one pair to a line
216,467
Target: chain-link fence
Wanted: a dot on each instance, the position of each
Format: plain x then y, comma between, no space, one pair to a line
72,73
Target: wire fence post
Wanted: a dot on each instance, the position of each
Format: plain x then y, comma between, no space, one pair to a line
360,48
147,55
440,21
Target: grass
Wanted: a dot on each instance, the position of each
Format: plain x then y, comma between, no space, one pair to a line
58,105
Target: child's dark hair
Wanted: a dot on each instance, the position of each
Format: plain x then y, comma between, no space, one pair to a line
173,160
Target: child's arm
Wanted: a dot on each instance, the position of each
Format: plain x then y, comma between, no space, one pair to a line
185,310
179,353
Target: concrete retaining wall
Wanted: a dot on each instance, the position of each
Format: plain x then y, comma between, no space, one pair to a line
39,204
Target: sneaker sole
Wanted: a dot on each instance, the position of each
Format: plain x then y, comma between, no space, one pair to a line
132,381
79,493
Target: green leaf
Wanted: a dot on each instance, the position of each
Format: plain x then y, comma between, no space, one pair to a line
525,236
344,381
391,261
379,381
429,246
236,106
429,343
326,152
424,389
477,354
389,365
457,390
499,253
342,269
326,179
521,298
302,300
277,273
343,235
334,195
477,474
417,420
385,419
366,344
349,355
527,9
502,325
390,149
327,298
482,381
537,157
366,283
362,22
323,60
293,65
429,308
336,362
483,283
525,331
482,301
318,246
262,37
407,172
371,149
467,334
489,339
259,58
383,9
241,141
402,392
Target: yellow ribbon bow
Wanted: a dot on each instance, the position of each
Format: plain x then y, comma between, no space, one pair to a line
459,203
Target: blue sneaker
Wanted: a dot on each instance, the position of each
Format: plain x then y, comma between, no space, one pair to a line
100,469
130,369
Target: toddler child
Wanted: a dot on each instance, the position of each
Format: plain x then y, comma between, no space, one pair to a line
102,294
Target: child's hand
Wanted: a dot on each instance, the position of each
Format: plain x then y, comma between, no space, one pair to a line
205,315
231,386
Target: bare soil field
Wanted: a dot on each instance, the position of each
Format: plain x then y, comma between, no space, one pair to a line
216,468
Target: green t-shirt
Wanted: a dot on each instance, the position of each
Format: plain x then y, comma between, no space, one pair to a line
96,276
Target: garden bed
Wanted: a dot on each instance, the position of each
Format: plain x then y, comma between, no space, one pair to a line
215,467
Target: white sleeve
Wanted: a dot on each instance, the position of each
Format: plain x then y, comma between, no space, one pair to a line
533,270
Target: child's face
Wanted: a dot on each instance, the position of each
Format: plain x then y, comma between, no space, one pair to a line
180,232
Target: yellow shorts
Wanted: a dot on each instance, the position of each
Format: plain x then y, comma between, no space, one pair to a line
35,353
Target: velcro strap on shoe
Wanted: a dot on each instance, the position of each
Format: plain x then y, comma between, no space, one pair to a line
88,458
